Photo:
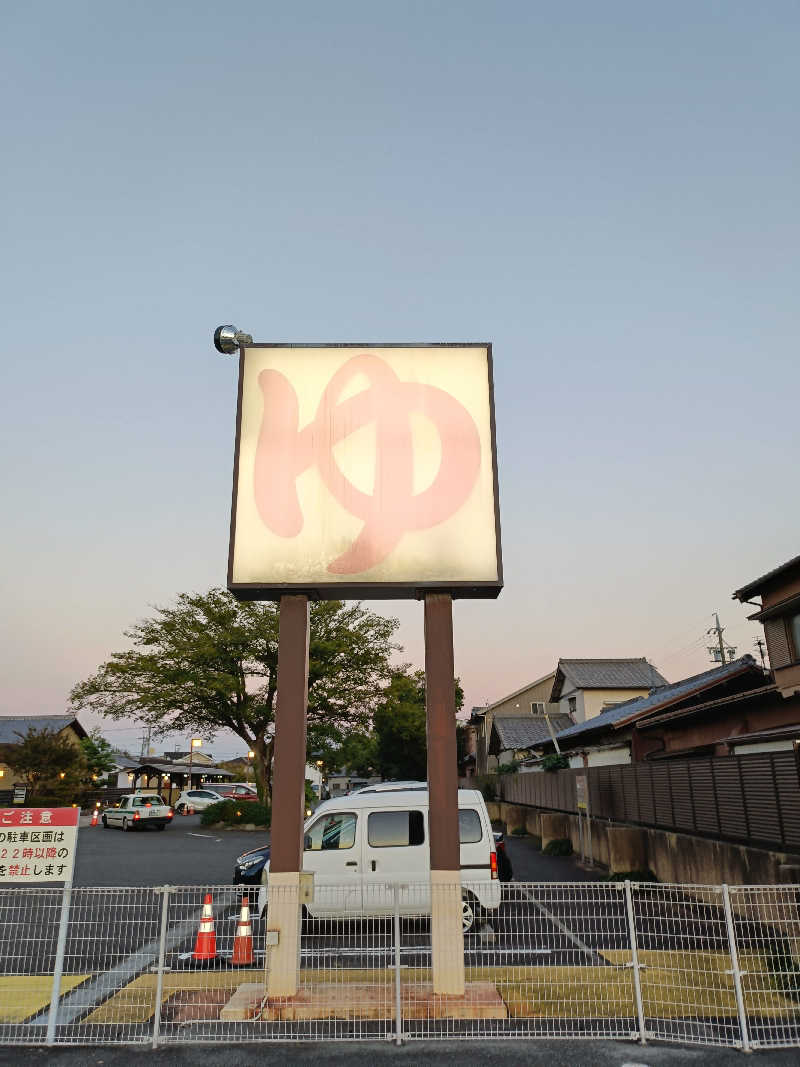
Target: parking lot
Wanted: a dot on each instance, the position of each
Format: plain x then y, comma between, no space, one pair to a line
187,853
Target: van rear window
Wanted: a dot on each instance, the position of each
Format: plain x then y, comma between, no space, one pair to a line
469,826
394,829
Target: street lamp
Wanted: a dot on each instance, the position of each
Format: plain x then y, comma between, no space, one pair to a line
251,756
196,742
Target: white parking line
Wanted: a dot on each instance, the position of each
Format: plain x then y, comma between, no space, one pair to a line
564,929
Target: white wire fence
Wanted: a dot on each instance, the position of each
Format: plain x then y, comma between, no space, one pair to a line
708,965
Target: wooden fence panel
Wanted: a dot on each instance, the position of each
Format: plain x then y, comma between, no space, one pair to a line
683,810
738,798
761,800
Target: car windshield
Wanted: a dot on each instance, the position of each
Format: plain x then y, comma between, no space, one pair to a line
143,802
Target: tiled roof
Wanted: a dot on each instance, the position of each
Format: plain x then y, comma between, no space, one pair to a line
524,731
608,674
753,587
11,726
658,697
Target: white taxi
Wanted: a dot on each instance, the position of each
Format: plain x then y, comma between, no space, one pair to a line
137,810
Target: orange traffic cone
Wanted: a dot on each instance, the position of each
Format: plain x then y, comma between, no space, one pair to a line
94,817
243,941
205,947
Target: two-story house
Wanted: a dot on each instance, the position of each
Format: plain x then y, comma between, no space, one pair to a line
779,613
531,699
583,688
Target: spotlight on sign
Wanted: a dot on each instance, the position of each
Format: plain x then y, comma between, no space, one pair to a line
227,339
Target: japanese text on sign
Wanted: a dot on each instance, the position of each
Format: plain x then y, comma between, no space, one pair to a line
37,844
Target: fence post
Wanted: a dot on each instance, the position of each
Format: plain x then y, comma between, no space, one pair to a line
637,984
737,974
398,1000
162,945
58,967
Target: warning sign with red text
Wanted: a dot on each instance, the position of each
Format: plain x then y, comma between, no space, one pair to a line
37,844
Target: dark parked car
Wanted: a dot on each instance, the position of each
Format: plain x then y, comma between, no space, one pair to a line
504,870
250,865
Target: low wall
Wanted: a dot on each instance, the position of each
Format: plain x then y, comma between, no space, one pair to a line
672,857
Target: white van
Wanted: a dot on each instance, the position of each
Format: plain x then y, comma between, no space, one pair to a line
365,847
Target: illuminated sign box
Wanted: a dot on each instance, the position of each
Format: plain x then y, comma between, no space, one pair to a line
365,471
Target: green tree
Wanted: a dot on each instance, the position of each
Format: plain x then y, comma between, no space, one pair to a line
98,754
52,767
210,662
358,754
400,727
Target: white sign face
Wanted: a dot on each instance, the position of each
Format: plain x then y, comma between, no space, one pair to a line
365,471
37,844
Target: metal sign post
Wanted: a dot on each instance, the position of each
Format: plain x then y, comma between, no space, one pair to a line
447,934
288,799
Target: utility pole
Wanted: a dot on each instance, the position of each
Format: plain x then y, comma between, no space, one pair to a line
718,653
145,750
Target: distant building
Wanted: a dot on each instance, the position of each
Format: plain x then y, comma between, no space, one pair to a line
14,727
583,688
531,699
519,737
692,717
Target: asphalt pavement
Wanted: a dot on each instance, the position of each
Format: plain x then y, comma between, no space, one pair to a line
186,853
548,1053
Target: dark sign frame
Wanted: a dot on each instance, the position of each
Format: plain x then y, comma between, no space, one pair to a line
366,590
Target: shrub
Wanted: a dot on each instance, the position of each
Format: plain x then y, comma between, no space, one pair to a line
555,762
508,768
519,831
489,791
562,846
236,813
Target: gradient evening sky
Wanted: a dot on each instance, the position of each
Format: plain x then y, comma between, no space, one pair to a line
607,192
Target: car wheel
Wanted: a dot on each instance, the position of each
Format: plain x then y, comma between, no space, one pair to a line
104,821
180,809
124,825
161,826
470,913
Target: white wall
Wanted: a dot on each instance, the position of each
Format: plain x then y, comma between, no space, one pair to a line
580,709
610,757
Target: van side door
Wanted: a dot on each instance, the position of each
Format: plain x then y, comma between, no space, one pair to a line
332,850
396,853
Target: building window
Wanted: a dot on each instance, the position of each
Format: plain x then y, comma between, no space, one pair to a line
794,626
573,705
537,707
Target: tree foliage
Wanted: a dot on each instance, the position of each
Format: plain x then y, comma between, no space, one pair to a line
98,754
358,754
400,727
52,767
210,662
